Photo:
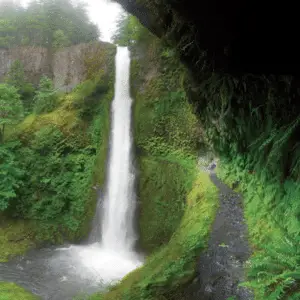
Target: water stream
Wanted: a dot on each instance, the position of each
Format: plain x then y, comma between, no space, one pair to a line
64,272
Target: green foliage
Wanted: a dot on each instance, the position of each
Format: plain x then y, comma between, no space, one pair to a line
98,84
50,161
129,31
60,39
59,170
166,137
45,99
15,237
88,95
16,77
273,269
10,175
27,96
9,291
49,23
11,108
275,272
249,115
161,213
165,122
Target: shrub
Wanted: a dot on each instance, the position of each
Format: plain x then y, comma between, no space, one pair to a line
45,99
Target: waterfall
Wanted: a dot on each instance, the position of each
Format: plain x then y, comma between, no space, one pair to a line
119,202
111,254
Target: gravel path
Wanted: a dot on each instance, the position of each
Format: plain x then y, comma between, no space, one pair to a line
220,267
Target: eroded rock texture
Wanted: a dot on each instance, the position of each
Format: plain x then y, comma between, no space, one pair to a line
232,36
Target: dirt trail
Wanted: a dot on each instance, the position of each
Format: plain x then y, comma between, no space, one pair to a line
221,266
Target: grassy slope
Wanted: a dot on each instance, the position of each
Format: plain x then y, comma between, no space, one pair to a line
10,291
160,213
16,235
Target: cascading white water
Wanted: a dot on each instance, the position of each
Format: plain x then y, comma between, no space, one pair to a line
119,204
112,254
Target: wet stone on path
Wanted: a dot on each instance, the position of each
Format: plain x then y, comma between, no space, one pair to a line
221,266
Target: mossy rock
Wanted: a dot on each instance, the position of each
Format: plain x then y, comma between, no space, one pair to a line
11,291
16,237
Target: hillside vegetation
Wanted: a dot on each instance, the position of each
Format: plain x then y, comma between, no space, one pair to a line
51,160
50,23
9,290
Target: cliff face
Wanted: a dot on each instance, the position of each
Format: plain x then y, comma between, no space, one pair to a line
67,67
70,65
36,61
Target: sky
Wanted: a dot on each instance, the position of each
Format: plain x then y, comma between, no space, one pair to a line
104,13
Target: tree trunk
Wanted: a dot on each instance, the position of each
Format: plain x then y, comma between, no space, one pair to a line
2,134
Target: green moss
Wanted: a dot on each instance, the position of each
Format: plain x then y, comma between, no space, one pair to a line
11,291
166,134
163,186
99,59
15,237
168,269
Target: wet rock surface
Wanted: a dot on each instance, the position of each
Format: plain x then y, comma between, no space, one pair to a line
221,266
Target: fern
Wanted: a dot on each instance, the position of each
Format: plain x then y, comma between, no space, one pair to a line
278,265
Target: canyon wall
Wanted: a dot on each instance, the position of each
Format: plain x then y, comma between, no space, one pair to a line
36,61
67,67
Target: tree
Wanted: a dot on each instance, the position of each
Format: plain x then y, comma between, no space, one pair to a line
129,31
60,40
45,98
11,108
48,23
10,175
16,77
